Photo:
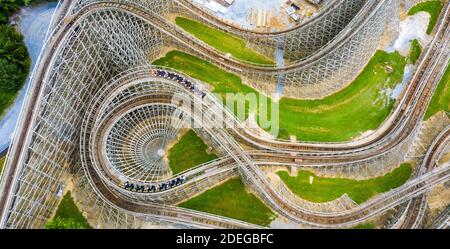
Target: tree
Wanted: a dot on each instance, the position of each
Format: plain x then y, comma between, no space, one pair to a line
14,59
7,7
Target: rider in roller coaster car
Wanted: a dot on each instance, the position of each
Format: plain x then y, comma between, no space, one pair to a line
152,188
180,79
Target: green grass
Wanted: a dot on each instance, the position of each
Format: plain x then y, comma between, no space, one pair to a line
2,162
230,199
416,51
434,8
222,41
68,213
359,107
365,226
441,97
189,152
340,117
329,189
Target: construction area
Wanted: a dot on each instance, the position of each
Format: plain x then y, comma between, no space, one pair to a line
270,15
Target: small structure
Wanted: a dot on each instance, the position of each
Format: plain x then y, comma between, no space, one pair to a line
216,7
295,7
389,69
225,3
262,18
290,11
295,17
315,2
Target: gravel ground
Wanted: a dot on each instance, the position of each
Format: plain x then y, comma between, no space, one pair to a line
413,27
239,10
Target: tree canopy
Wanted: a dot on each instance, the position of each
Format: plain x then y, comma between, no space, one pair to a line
7,7
14,59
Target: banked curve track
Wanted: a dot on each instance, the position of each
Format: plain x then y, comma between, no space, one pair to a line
351,217
417,92
407,112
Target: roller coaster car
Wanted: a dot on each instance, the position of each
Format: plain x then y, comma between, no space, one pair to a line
161,73
128,185
162,186
140,188
151,189
153,72
178,181
173,183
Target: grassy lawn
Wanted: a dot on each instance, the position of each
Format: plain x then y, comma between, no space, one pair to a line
342,116
441,97
361,106
222,41
189,152
68,215
230,199
434,8
416,51
2,162
329,189
365,226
